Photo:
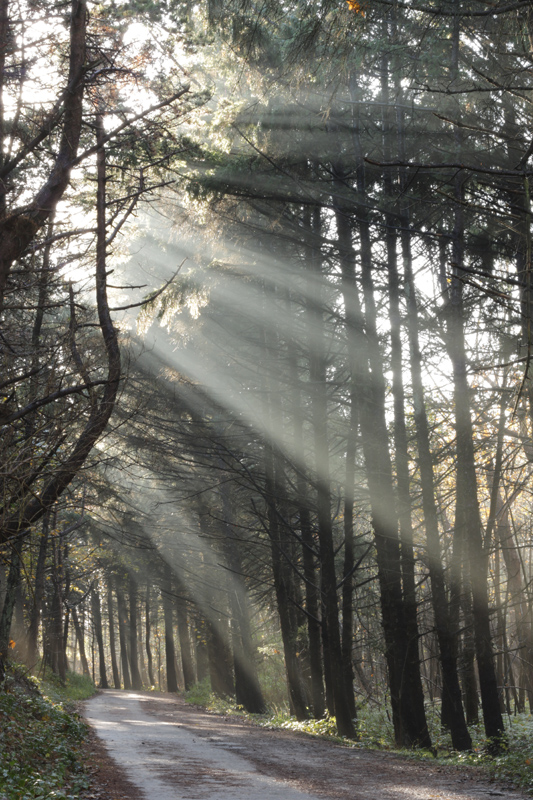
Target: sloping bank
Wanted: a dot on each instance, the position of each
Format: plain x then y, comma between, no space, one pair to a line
41,738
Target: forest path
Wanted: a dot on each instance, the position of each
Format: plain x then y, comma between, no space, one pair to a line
169,750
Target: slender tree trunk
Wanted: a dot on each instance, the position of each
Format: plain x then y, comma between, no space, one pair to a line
401,450
312,592
98,630
80,636
217,633
466,478
200,644
451,691
122,624
136,682
13,580
170,650
366,364
187,664
403,665
219,654
466,464
247,689
281,569
148,645
38,594
343,705
112,643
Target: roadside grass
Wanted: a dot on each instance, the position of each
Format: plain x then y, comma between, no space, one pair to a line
76,687
514,765
41,737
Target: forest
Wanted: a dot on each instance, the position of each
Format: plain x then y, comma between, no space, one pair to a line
266,343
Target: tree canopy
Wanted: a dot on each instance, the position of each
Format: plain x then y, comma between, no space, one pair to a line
266,344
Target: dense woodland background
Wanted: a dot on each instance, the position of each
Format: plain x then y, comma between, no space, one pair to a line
266,394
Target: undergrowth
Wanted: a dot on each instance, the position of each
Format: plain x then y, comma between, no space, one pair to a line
514,764
41,738
76,687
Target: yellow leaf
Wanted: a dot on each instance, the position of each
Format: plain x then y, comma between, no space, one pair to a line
12,643
354,6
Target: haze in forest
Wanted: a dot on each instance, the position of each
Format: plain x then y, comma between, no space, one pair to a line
265,395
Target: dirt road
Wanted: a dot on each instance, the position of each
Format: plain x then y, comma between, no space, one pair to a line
171,751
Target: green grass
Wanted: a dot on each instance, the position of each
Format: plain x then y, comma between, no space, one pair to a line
40,739
76,687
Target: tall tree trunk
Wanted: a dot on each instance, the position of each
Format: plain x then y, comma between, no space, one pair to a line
469,516
98,630
445,634
56,609
312,592
217,633
38,594
403,665
200,645
401,450
451,691
6,616
170,650
343,705
187,664
148,645
247,689
219,653
112,641
274,490
122,625
80,636
136,682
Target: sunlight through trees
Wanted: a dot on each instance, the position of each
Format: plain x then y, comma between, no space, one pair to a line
266,341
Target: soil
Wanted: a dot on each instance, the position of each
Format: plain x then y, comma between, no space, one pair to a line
157,746
108,780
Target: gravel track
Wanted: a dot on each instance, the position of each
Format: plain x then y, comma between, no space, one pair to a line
169,750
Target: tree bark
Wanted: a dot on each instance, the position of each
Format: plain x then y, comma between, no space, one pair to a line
80,636
122,624
187,664
312,592
6,616
148,645
331,642
247,689
97,622
38,594
170,650
112,641
136,682
101,411
18,230
408,713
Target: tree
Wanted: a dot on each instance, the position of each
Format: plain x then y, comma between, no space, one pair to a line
60,382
